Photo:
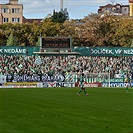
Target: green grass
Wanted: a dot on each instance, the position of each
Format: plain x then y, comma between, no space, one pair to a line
60,110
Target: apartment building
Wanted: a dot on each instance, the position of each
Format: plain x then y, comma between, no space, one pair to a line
115,9
11,12
0,14
131,7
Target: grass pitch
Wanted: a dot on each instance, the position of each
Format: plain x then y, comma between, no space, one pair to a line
60,110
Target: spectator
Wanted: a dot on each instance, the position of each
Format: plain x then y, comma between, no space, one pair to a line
70,64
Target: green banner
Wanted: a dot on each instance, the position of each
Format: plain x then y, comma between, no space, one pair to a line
85,51
18,50
104,51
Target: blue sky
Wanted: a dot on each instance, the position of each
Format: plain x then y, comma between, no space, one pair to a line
77,9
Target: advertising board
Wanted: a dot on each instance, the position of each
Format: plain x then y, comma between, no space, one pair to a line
94,84
21,84
115,84
55,84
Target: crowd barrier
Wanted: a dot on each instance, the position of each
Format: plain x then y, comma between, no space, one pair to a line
116,84
17,86
62,84
33,84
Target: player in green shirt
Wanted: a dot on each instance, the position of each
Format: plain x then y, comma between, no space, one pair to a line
127,80
82,88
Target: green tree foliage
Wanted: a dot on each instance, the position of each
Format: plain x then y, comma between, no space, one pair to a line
38,42
11,41
107,31
2,39
58,17
68,29
124,33
49,28
93,30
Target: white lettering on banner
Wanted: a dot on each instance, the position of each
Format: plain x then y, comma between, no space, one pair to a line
46,78
65,84
91,85
118,84
118,51
110,52
115,84
12,51
1,50
21,78
105,84
132,51
55,84
101,51
37,78
128,51
104,51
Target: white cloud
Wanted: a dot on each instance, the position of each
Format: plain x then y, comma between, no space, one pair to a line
76,8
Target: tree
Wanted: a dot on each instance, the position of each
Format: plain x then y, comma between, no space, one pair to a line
69,29
12,41
108,30
59,17
124,33
38,42
93,30
49,28
2,39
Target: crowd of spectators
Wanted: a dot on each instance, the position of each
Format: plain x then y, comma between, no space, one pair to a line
50,65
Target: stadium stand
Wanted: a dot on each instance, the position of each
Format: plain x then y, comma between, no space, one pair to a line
65,65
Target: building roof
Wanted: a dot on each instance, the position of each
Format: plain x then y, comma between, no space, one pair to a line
110,5
130,1
38,20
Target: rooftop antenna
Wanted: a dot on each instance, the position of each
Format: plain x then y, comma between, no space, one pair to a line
61,5
112,1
